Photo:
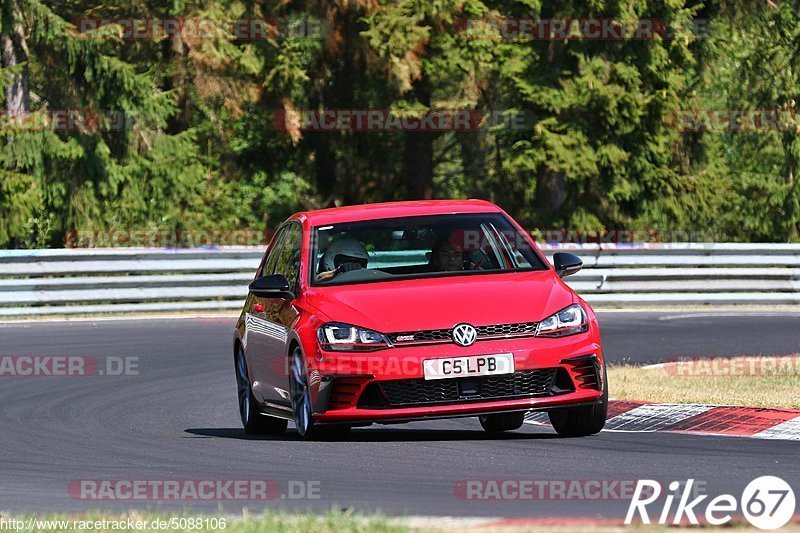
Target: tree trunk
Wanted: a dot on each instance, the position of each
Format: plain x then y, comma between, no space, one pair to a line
474,149
418,152
418,165
179,83
550,192
15,52
325,168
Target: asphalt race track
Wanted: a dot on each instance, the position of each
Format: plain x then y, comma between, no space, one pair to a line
177,419
653,337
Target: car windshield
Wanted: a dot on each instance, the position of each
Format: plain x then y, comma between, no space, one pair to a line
415,247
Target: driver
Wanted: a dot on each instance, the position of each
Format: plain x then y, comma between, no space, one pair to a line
343,255
446,257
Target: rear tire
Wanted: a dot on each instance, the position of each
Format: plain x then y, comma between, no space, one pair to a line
253,421
502,422
582,421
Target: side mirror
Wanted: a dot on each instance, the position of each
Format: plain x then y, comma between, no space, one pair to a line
566,264
274,286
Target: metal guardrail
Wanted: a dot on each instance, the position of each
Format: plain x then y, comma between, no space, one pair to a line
92,281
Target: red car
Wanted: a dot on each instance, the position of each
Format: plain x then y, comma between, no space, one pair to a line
405,311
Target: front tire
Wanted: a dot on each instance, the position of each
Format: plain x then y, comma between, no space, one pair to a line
582,421
501,422
302,406
253,421
300,394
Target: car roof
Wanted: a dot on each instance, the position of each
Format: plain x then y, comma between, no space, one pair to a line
355,213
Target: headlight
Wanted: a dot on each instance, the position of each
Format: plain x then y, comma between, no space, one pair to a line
568,321
346,338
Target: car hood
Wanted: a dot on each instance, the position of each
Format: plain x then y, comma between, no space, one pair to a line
439,303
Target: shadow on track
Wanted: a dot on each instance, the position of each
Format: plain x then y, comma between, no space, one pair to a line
376,435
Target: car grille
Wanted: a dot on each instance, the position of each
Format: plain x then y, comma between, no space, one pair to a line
495,331
420,392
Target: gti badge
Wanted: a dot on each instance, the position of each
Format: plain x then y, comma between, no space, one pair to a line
464,334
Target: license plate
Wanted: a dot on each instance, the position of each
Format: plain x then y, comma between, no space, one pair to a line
472,365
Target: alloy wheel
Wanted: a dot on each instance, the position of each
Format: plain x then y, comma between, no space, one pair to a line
301,397
243,385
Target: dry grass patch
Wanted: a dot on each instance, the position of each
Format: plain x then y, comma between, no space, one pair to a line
746,381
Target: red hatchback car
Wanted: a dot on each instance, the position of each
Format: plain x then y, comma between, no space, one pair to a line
405,311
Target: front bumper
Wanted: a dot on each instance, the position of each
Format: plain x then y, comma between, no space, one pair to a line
549,373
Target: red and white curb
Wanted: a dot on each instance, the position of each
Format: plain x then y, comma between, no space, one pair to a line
755,422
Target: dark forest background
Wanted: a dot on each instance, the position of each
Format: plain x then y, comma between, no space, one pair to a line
605,149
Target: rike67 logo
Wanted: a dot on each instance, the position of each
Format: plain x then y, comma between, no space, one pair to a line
767,502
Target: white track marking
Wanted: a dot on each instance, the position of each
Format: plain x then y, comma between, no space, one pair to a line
654,417
789,430
537,417
659,417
